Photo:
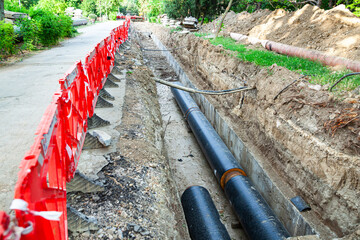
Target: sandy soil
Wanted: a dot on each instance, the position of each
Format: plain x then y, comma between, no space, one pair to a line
302,133
335,32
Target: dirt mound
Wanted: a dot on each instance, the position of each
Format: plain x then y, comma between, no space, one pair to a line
335,32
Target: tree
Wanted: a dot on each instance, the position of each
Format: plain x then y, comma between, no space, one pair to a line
222,19
54,6
2,14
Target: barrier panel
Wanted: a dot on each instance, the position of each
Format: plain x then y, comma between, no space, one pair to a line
40,192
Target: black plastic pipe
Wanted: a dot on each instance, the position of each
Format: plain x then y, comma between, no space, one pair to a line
202,217
216,152
255,215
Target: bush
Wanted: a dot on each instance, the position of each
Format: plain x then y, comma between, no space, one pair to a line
30,32
92,16
112,16
206,20
153,19
7,39
67,28
50,27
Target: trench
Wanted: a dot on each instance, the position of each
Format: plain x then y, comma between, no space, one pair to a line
156,158
188,163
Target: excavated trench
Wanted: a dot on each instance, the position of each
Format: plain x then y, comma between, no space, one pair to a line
281,140
154,156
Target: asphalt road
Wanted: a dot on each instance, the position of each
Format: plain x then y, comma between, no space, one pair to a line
26,89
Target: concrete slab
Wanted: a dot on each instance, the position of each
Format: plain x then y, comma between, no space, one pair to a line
26,89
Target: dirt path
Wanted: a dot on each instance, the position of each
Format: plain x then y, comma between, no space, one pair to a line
26,89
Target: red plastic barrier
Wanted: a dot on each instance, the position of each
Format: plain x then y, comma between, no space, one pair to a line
41,180
4,226
40,192
75,106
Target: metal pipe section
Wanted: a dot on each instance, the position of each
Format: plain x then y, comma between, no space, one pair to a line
255,215
201,215
289,50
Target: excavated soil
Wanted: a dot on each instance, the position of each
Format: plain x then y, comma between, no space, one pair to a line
139,201
307,136
335,32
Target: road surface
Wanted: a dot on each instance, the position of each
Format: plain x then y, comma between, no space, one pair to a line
26,89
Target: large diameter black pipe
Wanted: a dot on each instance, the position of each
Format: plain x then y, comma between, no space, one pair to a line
216,152
202,217
255,215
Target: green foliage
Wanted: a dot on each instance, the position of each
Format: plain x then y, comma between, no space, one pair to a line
179,8
177,29
13,5
112,16
67,29
97,7
30,31
201,34
49,26
89,7
130,6
54,6
92,16
319,73
353,6
7,39
206,20
153,19
151,8
52,27
74,3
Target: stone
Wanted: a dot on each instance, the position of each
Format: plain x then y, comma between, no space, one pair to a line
136,228
103,137
315,87
144,233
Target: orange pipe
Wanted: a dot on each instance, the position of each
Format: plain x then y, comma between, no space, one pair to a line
312,55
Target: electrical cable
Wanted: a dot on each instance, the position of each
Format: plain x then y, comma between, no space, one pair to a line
347,75
159,50
208,92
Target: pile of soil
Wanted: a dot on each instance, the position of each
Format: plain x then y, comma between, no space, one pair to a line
335,32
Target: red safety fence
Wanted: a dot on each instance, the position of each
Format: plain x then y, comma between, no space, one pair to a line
131,17
40,192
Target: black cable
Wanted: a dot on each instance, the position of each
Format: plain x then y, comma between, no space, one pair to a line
159,50
347,75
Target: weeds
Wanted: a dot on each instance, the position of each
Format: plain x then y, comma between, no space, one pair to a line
177,29
318,73
201,34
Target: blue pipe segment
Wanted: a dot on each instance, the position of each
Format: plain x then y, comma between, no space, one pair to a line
255,215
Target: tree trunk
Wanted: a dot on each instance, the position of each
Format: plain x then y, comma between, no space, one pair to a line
2,14
222,19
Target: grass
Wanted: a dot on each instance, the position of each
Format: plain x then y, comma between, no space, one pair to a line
177,29
318,73
201,34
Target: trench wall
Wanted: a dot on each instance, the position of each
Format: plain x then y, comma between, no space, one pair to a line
284,209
